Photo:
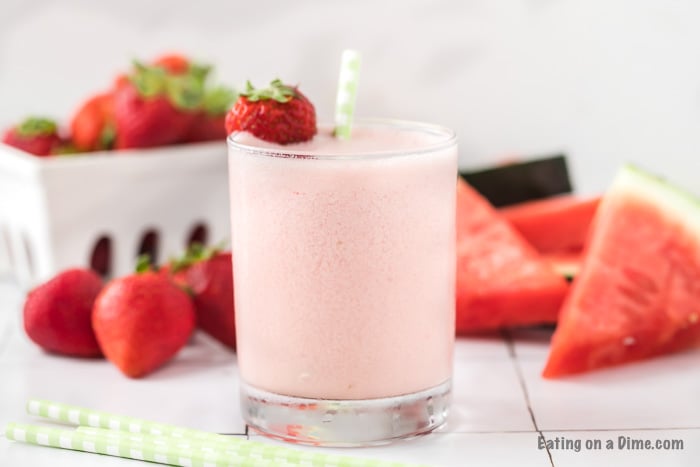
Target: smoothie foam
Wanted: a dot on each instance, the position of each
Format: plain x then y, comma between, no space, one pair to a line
344,267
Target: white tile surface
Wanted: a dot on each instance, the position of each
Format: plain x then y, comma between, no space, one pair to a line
20,455
660,393
487,397
198,389
530,343
10,308
453,450
489,346
490,422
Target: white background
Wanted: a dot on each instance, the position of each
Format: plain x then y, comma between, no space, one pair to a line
606,81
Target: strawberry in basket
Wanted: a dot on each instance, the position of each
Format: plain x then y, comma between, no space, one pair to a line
155,107
173,63
93,126
38,136
210,123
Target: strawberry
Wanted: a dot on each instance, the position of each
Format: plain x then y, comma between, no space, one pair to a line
279,114
38,136
142,320
93,126
57,314
209,125
156,108
208,277
173,63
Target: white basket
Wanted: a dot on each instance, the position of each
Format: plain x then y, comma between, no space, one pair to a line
54,210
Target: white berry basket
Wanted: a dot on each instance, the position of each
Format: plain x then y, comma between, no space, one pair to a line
108,207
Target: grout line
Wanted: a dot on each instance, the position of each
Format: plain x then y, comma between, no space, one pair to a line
570,430
486,432
521,379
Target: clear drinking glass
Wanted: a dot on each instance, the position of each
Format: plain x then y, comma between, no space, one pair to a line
344,276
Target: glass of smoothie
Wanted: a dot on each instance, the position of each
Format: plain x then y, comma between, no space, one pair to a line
344,267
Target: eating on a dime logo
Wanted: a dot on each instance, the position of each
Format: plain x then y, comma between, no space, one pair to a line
622,443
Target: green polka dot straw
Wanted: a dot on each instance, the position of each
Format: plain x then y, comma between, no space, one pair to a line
347,93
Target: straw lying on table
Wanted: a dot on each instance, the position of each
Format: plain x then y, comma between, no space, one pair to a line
132,438
131,448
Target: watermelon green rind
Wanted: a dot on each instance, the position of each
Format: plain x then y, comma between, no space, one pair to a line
638,292
679,202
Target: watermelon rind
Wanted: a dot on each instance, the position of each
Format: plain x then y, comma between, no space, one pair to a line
673,200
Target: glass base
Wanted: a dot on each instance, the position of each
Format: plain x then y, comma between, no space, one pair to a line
325,422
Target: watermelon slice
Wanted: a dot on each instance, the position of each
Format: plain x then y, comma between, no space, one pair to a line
501,279
638,292
554,225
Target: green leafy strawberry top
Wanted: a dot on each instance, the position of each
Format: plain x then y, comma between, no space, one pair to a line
277,91
195,253
36,126
143,264
186,91
218,100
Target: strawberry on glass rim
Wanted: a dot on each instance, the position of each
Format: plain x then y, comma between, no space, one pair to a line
278,114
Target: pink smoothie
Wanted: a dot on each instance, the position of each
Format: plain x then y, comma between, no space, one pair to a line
344,265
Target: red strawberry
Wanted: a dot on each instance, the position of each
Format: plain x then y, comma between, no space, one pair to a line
93,127
209,125
156,108
208,275
141,321
38,136
57,313
173,63
206,127
280,114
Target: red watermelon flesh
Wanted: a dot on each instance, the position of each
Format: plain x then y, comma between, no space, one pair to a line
501,279
553,225
638,292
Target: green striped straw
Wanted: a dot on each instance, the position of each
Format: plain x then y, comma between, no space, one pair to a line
241,448
176,437
125,447
186,448
347,93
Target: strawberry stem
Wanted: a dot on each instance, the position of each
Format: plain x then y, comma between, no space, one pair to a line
108,136
218,101
277,91
143,263
184,90
195,252
36,126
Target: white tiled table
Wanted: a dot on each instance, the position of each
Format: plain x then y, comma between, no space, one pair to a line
501,404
